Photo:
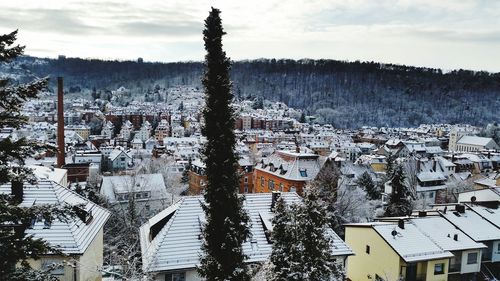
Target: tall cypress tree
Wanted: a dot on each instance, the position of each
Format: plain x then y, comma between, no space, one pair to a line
226,228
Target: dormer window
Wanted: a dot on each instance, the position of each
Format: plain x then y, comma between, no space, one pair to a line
303,172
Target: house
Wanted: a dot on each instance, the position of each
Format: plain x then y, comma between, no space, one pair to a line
162,131
80,238
466,263
119,159
59,176
286,171
148,190
482,224
393,250
171,240
475,144
198,178
108,130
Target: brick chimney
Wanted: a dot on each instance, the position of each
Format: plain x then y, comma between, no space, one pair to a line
60,123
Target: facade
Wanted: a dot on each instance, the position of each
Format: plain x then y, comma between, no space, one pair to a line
162,131
170,242
285,171
198,179
389,251
475,144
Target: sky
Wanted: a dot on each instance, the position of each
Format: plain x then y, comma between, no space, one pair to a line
447,34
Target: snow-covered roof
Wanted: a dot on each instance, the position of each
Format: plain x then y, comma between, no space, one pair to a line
473,225
73,237
443,233
45,173
410,243
178,246
430,176
473,140
291,165
491,215
153,183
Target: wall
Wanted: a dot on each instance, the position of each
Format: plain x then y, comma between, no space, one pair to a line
287,184
467,268
92,260
382,260
495,257
430,270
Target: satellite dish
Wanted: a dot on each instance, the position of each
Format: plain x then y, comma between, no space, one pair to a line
394,233
473,199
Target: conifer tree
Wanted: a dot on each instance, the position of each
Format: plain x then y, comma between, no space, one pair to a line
15,246
227,224
301,245
400,203
365,181
283,243
317,260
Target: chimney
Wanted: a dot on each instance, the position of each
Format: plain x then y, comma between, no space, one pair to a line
401,224
275,196
455,237
17,191
460,208
60,123
422,214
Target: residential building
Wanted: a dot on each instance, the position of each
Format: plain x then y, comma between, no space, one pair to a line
286,171
80,239
171,244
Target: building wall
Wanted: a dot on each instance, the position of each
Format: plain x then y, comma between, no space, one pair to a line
381,260
430,270
197,183
87,264
91,260
278,181
468,268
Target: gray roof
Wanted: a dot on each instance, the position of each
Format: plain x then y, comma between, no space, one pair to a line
473,140
472,224
178,244
410,243
73,237
443,232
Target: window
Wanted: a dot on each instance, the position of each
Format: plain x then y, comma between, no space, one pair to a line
439,268
56,266
281,189
138,195
179,276
367,249
245,179
303,172
262,181
293,189
472,258
270,184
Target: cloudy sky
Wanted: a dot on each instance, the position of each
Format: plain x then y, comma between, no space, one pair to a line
437,33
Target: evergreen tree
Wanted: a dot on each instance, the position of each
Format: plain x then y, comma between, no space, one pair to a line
283,239
227,223
301,245
400,203
365,181
303,117
17,247
317,260
389,166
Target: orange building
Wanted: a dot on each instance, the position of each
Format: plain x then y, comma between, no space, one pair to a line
285,171
198,179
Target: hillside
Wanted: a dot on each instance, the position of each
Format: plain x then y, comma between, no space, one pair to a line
346,94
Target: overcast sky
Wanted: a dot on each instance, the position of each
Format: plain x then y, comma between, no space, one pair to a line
437,33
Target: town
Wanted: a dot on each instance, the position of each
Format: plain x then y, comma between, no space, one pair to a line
146,156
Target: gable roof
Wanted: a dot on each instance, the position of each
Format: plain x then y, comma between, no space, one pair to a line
473,140
73,237
472,224
178,244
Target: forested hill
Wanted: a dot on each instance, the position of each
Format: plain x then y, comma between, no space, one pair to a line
346,94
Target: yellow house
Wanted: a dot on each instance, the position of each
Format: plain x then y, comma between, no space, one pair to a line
390,251
80,239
